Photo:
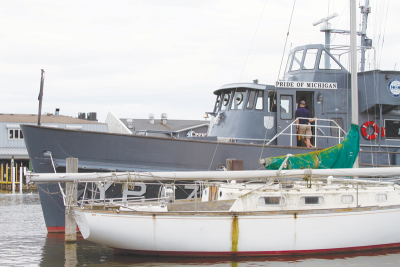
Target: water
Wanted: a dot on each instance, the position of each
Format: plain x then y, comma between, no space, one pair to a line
24,242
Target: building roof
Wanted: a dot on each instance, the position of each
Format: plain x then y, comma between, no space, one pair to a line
172,125
13,151
33,118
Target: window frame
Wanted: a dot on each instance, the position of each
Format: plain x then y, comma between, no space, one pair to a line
320,57
275,205
14,130
319,204
262,100
290,107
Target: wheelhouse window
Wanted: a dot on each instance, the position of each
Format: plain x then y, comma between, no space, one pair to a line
288,62
250,99
298,55
286,107
392,129
260,100
272,101
225,101
237,102
326,62
15,134
310,59
217,103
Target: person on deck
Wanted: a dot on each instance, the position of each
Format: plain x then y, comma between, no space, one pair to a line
304,128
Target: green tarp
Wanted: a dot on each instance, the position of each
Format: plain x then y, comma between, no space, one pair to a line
342,155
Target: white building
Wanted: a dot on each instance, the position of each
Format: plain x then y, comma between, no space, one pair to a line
12,141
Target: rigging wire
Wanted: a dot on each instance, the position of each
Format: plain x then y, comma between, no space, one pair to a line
240,77
279,73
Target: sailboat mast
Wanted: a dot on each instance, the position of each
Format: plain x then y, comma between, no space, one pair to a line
365,42
353,53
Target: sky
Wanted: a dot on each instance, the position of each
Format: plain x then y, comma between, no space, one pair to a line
136,57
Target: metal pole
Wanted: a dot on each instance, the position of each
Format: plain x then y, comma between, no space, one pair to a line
13,180
20,179
12,175
354,84
40,98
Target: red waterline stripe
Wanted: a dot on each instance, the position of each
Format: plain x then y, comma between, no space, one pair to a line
256,253
58,229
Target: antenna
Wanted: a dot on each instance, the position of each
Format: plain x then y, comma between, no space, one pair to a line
326,19
326,27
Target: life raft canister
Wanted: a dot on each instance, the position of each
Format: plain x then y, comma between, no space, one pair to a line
364,130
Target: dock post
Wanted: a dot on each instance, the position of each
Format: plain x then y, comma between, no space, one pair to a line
12,175
20,179
7,176
71,193
2,175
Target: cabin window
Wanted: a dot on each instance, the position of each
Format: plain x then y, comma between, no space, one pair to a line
272,101
238,99
298,55
260,100
347,199
217,103
15,134
381,197
335,131
310,59
271,200
326,62
288,63
225,101
251,97
311,200
392,129
286,107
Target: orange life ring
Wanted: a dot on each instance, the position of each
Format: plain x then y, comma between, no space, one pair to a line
364,130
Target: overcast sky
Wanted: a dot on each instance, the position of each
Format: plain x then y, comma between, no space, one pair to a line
138,57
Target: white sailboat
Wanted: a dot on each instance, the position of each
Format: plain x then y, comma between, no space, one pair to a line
286,212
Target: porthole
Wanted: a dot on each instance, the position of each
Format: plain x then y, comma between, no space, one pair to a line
271,200
347,199
311,200
205,192
381,197
220,193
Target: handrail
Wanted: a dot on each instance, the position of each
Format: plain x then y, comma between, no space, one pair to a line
315,135
158,131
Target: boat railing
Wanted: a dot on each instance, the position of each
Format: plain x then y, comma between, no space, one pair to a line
127,201
173,134
318,128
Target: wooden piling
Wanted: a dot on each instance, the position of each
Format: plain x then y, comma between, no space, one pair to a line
71,192
2,175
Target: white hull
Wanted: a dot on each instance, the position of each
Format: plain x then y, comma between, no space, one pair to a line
243,233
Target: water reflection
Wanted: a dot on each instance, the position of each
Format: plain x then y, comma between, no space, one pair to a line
25,242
